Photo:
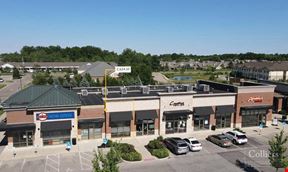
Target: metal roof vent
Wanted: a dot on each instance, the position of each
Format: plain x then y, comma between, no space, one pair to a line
103,91
188,88
123,90
170,89
84,92
145,89
204,87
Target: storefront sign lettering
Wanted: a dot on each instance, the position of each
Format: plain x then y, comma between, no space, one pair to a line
172,103
54,115
255,99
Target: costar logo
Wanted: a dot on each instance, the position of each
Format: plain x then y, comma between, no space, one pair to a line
172,103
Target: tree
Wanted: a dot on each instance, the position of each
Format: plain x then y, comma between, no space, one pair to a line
73,83
84,83
16,73
277,151
41,78
106,163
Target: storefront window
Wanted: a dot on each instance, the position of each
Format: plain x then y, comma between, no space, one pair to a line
55,137
145,127
223,120
253,117
201,122
90,131
176,126
120,129
23,138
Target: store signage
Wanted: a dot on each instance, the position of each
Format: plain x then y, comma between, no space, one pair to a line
42,116
255,99
172,103
54,115
123,69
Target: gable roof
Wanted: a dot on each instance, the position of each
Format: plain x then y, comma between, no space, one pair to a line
98,69
37,96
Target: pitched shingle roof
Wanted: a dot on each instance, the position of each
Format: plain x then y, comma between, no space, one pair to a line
268,65
37,96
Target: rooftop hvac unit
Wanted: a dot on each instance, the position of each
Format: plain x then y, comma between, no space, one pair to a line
188,88
123,90
84,92
170,89
103,91
204,87
145,90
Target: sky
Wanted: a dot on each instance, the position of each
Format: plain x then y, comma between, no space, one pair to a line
150,26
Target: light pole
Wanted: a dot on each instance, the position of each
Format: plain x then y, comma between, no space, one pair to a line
118,69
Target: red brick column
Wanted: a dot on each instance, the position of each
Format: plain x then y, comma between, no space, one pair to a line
107,123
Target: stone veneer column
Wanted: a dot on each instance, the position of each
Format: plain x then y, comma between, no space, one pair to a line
269,117
189,124
133,125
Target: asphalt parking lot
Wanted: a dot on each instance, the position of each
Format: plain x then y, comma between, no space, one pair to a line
51,163
211,158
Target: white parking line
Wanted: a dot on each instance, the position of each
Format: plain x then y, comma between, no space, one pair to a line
22,166
85,161
52,163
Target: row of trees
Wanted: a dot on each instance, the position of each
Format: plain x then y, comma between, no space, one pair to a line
91,53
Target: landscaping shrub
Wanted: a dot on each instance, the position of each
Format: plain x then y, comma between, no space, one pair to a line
160,138
128,152
156,148
125,147
155,144
132,156
160,153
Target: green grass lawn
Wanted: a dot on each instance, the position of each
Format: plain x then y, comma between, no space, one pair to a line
2,85
195,74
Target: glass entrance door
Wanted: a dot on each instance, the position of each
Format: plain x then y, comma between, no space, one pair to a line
201,123
23,138
145,127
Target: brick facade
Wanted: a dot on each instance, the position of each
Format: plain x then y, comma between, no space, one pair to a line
242,100
14,117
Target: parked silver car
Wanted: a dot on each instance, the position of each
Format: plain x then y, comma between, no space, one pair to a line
176,145
220,139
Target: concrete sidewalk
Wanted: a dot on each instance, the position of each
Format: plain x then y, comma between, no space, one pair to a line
30,152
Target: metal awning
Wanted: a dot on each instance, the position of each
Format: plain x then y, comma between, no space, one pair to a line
146,114
120,116
98,122
57,125
182,114
225,109
257,107
15,127
207,110
91,120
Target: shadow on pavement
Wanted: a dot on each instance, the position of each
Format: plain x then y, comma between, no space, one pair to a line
245,166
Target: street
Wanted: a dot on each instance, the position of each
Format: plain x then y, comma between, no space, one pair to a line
14,86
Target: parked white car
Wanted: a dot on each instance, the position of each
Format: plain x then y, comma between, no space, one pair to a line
193,143
236,137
